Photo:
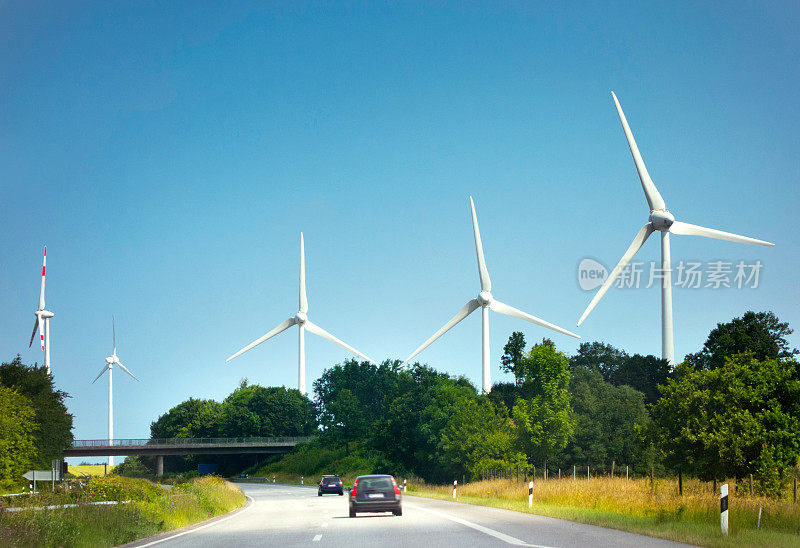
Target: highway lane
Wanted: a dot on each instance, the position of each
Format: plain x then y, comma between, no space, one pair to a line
282,515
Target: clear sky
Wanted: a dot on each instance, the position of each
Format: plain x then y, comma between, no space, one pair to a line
169,154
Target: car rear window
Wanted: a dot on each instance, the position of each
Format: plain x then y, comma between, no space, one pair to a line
375,483
330,480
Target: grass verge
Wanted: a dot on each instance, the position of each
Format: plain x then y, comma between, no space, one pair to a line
152,509
634,507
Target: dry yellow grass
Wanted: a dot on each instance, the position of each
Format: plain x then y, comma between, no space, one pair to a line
634,506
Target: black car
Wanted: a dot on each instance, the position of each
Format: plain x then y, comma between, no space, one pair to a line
330,484
376,493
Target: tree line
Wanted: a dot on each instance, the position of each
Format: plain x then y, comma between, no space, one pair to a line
35,426
729,410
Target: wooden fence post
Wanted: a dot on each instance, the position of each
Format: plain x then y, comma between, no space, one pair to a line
751,485
680,482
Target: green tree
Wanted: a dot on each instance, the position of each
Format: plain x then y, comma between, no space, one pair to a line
17,435
193,418
373,386
408,432
253,410
644,373
600,357
760,333
54,422
543,417
608,420
513,354
737,419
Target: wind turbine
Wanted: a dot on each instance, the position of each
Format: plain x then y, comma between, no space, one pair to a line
42,323
301,320
485,301
663,221
110,362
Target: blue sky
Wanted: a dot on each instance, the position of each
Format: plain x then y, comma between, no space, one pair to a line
169,156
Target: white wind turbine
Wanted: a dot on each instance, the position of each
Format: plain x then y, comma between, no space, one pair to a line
485,302
301,320
110,362
42,323
663,221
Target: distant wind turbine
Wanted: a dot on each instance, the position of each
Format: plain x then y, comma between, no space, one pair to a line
42,323
485,302
663,221
110,362
301,320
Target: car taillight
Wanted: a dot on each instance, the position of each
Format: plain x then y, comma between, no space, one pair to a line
353,491
396,488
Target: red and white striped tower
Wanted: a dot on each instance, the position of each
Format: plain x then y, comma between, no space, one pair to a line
42,323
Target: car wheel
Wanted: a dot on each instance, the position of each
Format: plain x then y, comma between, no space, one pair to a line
352,513
398,512
341,493
319,493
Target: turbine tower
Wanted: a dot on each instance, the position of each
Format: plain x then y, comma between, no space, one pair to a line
42,323
301,320
663,221
110,362
485,301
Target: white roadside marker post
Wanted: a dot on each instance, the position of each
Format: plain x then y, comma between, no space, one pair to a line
530,494
626,475
404,486
455,484
723,509
301,480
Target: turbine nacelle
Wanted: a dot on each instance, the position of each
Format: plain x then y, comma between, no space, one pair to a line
44,314
485,298
300,318
661,219
110,360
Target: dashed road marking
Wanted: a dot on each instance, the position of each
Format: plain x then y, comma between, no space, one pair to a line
317,538
491,532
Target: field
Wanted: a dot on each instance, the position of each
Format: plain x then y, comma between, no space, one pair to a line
633,506
90,470
142,509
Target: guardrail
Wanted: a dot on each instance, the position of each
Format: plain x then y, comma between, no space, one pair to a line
173,442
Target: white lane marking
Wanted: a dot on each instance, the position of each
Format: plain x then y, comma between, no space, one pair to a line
317,538
202,526
491,532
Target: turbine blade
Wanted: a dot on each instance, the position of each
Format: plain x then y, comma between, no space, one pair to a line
35,328
119,363
503,308
100,374
317,330
636,244
282,327
41,290
114,334
483,273
303,297
654,199
41,333
468,309
686,229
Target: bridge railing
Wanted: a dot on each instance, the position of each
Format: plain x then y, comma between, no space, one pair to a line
189,441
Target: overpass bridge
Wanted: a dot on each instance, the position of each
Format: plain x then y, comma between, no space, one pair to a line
181,446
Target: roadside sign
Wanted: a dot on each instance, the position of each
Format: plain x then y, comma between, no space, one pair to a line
41,475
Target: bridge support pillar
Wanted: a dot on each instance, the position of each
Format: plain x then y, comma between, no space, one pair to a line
159,465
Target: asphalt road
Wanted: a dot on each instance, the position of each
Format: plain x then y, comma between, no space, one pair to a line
281,515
